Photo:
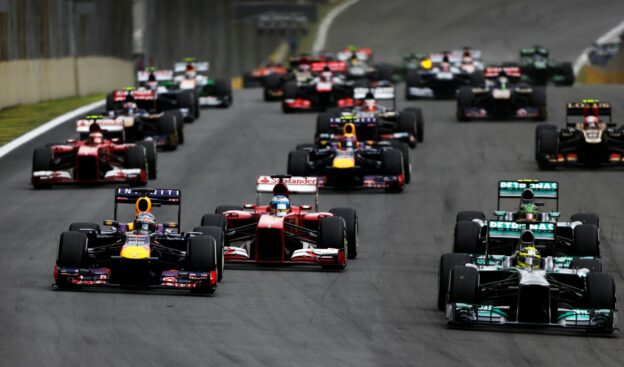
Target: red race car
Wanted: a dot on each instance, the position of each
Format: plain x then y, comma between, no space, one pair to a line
282,233
94,160
256,78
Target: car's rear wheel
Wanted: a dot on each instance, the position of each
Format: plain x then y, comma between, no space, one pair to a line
392,165
404,148
406,123
351,226
202,257
166,125
151,155
465,98
420,123
135,158
215,232
322,124
586,241
223,89
547,144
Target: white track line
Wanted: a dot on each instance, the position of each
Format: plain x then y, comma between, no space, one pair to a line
583,59
321,34
23,139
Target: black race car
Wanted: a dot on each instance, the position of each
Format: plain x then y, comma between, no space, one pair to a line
590,138
142,254
539,69
504,97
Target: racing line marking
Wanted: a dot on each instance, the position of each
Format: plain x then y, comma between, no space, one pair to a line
23,139
582,60
321,34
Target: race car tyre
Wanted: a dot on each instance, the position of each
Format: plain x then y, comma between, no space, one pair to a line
135,158
407,167
224,208
447,263
464,100
538,131
272,82
110,102
332,234
223,89
477,78
392,165
467,238
290,92
219,237
217,219
547,143
42,161
406,123
298,163
600,291
586,241
469,215
420,124
151,155
166,125
464,285
187,99
72,251
412,79
202,257
78,226
586,218
538,100
179,124
351,225
322,124
594,265
567,73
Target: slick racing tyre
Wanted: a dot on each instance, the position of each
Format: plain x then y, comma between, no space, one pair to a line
72,253
202,257
547,144
166,125
420,123
135,158
464,100
447,263
42,161
467,238
464,285
351,225
600,291
179,124
322,124
586,241
392,165
406,123
332,234
298,163
151,155
407,168
223,90
538,100
219,237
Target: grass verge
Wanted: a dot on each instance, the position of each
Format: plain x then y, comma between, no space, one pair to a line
15,121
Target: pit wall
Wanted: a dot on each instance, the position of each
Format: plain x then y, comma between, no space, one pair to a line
32,81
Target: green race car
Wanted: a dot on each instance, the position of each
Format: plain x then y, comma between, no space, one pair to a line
539,69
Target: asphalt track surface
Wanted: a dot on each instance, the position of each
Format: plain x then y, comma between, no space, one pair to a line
381,310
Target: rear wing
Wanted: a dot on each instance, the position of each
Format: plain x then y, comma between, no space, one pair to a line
496,71
200,66
137,94
107,124
381,93
287,185
335,66
158,197
509,189
159,75
513,230
588,107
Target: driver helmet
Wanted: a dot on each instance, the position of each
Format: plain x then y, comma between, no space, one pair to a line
326,74
591,122
370,104
145,223
280,205
528,212
130,107
190,71
528,257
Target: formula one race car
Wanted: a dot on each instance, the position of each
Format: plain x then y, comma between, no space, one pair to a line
590,138
156,98
441,75
526,288
346,163
373,120
257,77
166,128
504,97
577,237
95,160
192,75
142,253
282,233
327,88
538,69
360,67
